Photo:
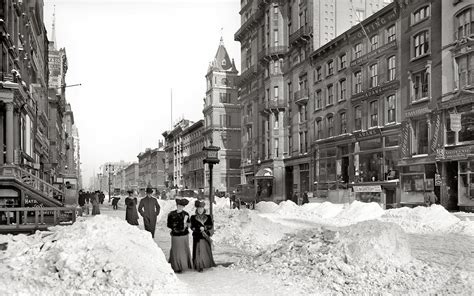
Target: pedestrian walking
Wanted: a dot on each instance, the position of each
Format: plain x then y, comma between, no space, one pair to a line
178,222
149,209
131,214
202,227
95,204
305,198
115,201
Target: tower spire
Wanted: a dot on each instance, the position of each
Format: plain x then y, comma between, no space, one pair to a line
222,37
53,31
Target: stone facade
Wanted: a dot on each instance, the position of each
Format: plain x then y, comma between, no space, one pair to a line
222,121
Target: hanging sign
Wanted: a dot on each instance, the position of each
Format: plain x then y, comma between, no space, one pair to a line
438,180
455,121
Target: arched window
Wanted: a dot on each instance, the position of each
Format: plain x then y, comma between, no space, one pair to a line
343,122
330,125
464,23
420,14
421,43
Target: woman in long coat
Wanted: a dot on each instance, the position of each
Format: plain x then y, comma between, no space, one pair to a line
95,204
131,213
178,222
202,225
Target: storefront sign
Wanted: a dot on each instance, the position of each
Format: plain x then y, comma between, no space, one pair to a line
436,132
456,153
455,121
367,134
376,91
456,102
375,25
417,112
371,188
404,136
373,53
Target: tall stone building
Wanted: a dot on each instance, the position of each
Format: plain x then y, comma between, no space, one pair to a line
174,154
222,120
453,128
277,82
25,114
193,167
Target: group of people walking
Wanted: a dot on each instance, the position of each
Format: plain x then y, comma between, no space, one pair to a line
94,198
179,221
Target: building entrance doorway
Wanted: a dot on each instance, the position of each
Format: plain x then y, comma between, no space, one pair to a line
452,185
289,182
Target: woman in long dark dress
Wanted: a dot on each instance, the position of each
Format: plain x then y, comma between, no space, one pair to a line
95,204
202,225
131,213
178,222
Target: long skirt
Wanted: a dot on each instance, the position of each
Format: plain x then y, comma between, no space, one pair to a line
95,210
180,255
202,254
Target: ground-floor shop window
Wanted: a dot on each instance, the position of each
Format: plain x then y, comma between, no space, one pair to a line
371,166
466,182
416,181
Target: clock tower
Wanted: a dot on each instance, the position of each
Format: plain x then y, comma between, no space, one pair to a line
222,121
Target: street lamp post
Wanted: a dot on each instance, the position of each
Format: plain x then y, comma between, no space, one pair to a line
110,181
211,158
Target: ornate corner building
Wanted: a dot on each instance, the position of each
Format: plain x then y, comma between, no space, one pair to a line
222,121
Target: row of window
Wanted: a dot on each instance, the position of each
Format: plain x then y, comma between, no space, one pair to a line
342,62
373,118
339,90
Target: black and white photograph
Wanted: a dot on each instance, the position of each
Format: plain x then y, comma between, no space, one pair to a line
236,147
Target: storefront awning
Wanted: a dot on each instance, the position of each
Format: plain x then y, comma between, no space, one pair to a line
264,173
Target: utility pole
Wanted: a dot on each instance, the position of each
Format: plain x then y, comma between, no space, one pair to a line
110,181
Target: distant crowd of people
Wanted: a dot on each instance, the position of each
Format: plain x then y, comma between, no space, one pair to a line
94,198
178,221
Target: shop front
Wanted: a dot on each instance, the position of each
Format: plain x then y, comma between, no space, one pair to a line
457,154
264,180
458,169
376,176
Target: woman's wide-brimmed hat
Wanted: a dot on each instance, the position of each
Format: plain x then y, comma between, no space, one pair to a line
199,204
182,202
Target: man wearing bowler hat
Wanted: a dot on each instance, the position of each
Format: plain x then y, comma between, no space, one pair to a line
149,209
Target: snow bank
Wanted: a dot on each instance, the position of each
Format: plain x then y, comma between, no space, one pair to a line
358,259
266,207
358,211
99,255
424,219
246,230
323,210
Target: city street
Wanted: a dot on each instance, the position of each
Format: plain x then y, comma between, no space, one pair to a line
281,249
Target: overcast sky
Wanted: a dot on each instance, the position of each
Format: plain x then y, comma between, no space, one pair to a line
128,55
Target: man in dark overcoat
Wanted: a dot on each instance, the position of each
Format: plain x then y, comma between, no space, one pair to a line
149,209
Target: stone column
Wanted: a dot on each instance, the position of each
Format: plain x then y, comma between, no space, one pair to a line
9,131
2,122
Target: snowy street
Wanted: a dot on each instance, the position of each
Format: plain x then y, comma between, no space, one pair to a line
284,249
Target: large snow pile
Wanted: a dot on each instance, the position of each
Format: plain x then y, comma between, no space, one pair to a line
323,210
266,207
100,255
358,211
246,230
357,259
428,220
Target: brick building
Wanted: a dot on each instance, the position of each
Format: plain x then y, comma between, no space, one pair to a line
193,168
